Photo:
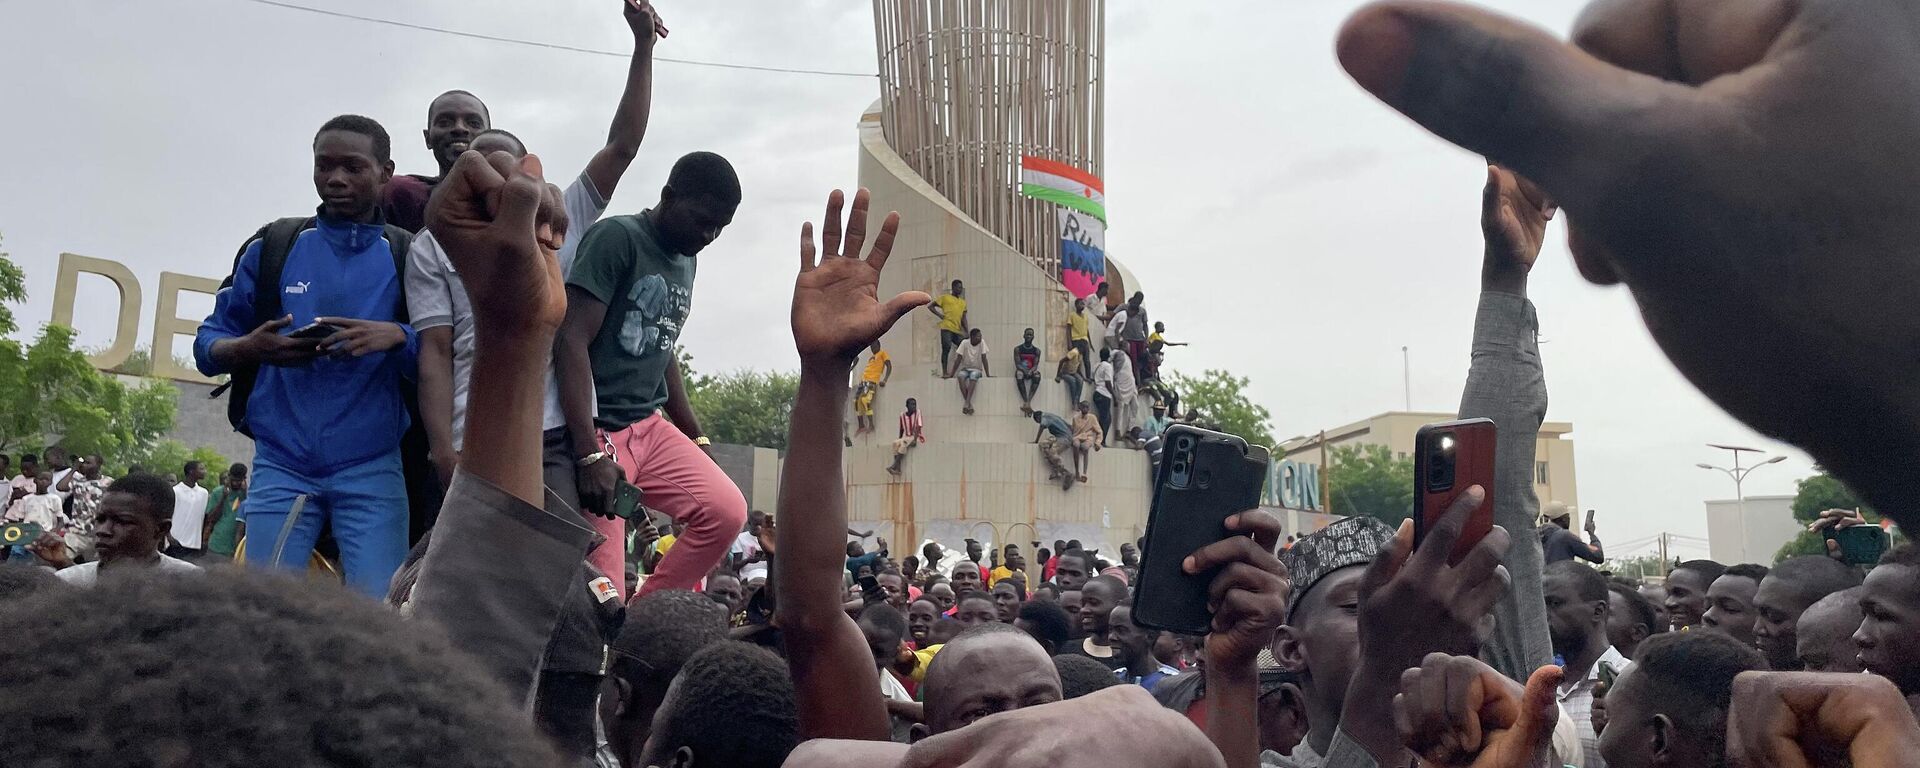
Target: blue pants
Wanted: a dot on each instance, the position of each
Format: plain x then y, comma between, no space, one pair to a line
366,504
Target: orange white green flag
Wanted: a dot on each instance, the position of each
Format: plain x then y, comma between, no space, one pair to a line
1063,184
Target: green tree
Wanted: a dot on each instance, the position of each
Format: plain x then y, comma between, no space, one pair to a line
1816,494
1368,480
745,407
1222,401
50,393
1635,567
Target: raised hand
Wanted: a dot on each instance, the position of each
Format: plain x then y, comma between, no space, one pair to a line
1742,167
1802,719
644,21
501,225
836,309
1513,219
1248,597
1457,711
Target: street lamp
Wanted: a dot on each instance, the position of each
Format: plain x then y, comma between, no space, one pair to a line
1739,475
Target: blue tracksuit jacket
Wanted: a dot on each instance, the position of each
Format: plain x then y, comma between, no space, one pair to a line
334,412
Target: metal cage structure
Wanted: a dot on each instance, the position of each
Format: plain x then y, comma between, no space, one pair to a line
969,86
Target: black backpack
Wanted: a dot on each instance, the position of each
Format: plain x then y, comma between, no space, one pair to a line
276,241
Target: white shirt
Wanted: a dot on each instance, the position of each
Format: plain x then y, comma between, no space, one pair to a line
88,574
1103,378
189,512
1576,697
745,545
437,298
57,477
1118,321
1123,384
972,356
41,509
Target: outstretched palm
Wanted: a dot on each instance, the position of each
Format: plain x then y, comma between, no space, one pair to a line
836,307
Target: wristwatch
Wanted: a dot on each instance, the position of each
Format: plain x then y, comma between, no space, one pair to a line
593,458
702,441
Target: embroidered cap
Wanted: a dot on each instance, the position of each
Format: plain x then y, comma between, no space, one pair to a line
1348,541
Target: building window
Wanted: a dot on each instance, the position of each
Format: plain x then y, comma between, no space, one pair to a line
1540,475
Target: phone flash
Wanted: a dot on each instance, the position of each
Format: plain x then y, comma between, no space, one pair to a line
1446,443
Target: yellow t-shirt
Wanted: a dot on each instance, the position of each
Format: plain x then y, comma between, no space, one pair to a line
665,543
876,367
997,574
1077,324
952,308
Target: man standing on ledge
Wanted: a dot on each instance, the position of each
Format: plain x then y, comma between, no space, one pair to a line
628,296
952,311
1026,371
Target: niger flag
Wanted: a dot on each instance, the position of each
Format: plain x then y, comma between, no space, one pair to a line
1063,184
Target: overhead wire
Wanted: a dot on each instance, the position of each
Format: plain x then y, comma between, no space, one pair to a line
550,46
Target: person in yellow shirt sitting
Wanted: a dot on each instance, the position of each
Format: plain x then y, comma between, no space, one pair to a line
879,369
1077,338
952,311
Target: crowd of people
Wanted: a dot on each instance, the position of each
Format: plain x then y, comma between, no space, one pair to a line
500,636
1129,403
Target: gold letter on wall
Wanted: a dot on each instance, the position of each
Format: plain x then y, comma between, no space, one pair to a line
167,324
71,265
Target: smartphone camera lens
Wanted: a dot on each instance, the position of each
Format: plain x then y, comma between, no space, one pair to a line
1440,465
1186,443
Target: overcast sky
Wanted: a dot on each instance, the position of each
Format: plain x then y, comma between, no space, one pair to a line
1294,229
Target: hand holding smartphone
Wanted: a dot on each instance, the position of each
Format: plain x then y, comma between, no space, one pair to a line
1204,478
314,331
1450,457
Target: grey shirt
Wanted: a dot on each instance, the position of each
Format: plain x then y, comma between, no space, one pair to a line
497,576
1508,385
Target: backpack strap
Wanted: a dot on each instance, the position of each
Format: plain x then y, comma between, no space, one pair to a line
276,242
400,241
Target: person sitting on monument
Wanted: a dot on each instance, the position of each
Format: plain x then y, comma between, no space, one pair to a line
912,433
1026,371
970,365
1079,339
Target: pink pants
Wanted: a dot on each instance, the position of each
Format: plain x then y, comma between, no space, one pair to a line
676,477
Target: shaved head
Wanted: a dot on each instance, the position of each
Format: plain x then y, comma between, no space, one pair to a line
1824,640
988,669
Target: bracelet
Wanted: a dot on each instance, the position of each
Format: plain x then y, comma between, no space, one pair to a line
702,441
593,458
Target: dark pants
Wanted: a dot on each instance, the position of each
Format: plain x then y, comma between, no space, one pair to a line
1103,409
1086,358
948,340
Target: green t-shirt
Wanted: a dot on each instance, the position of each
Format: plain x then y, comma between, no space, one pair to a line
224,508
648,292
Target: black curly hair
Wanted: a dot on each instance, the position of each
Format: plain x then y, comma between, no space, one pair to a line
1048,623
662,631
1080,675
305,675
733,705
20,581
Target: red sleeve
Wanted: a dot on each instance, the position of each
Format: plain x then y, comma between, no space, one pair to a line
404,202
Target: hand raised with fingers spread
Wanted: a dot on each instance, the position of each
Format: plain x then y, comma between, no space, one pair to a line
502,226
836,307
1742,165
1457,711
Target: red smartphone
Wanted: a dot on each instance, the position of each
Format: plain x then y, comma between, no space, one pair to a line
1448,458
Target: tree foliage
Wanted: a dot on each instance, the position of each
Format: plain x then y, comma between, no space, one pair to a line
50,394
1816,494
1222,401
171,457
1369,480
744,407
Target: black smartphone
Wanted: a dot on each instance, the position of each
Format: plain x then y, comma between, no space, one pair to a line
314,331
626,499
1204,478
1859,544
870,591
1448,458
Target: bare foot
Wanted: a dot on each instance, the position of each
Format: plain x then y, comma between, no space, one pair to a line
1083,478
968,410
